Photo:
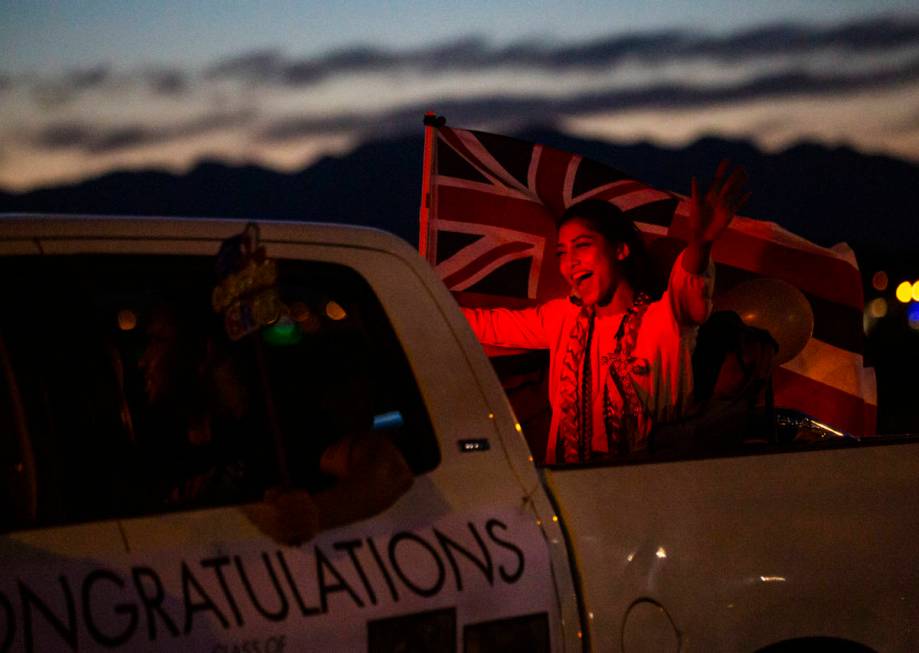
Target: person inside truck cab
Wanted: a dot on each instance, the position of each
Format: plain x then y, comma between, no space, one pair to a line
196,417
620,362
324,390
206,434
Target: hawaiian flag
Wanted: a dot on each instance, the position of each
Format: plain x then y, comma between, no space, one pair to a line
489,205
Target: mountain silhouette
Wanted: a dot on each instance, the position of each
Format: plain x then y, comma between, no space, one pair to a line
377,185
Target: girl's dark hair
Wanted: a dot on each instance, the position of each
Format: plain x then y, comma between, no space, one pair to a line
615,227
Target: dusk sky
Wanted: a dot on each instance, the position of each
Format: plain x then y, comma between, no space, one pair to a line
94,86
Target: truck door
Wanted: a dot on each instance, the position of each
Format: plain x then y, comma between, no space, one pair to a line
785,543
155,444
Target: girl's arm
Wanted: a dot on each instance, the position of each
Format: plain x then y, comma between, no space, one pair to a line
711,213
516,328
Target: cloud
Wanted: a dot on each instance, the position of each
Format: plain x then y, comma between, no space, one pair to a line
98,140
878,34
55,91
299,127
250,66
66,87
266,66
88,78
875,35
165,81
472,53
494,109
126,112
64,135
766,86
602,52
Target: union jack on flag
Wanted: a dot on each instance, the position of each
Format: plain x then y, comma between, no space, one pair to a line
493,202
489,206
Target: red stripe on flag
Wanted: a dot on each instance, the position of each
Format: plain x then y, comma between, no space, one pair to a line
486,259
550,179
621,188
836,408
476,207
823,276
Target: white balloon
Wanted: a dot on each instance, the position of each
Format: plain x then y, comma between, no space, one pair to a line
775,306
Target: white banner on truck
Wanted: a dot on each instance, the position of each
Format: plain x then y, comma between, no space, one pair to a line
257,597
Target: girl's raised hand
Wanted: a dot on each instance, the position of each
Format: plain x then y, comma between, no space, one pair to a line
711,212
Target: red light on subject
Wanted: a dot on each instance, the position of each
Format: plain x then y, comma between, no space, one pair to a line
879,280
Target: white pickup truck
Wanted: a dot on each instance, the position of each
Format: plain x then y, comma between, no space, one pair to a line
127,507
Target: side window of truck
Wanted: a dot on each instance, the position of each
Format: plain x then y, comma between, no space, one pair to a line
123,394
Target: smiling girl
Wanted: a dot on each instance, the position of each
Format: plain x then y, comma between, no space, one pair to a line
619,362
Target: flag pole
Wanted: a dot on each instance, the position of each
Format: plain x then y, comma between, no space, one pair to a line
431,121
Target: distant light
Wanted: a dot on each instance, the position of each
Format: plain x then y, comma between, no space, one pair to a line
772,579
555,518
877,308
390,420
879,281
916,291
300,312
282,333
912,314
334,310
905,292
661,552
306,318
127,319
518,427
630,557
